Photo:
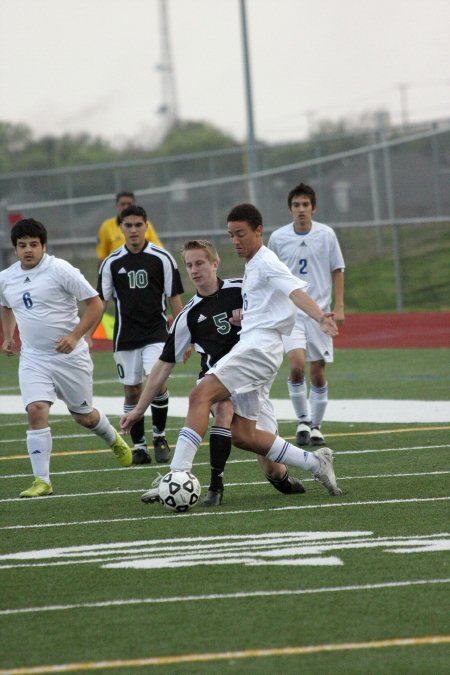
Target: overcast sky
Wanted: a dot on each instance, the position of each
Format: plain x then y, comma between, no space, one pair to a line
91,65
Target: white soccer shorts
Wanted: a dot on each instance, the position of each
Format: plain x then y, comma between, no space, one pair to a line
46,377
308,335
132,364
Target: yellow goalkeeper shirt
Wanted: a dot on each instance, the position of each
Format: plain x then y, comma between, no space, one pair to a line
110,237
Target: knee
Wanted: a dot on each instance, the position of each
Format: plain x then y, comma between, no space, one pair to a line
223,414
297,374
38,414
86,420
241,440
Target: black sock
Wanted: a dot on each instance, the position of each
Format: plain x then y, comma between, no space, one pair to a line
160,406
219,451
137,432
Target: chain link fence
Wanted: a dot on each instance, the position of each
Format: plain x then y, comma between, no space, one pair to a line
388,200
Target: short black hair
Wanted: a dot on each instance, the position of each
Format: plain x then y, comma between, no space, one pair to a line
302,189
132,210
124,193
246,212
28,227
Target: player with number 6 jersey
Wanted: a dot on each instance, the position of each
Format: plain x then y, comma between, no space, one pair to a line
40,293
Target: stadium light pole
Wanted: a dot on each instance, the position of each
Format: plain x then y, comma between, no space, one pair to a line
252,164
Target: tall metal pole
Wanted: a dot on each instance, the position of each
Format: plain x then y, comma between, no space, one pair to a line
252,161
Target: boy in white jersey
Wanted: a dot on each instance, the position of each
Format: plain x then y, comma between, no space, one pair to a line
40,292
311,251
270,293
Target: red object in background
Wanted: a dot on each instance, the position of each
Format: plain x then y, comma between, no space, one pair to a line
413,330
14,218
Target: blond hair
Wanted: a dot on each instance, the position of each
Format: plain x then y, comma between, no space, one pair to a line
203,245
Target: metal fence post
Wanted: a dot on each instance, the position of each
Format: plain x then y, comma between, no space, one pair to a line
391,217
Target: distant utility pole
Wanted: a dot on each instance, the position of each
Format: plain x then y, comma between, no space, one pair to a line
404,112
251,149
168,108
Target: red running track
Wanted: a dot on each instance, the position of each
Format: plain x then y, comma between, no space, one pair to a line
379,331
395,330
404,330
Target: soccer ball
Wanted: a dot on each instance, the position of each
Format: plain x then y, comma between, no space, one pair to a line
179,491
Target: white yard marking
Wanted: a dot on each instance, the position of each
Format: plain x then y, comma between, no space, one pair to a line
273,548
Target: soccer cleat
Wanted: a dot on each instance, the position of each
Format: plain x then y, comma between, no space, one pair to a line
288,485
213,497
122,451
162,450
152,495
325,473
140,455
317,437
303,433
39,489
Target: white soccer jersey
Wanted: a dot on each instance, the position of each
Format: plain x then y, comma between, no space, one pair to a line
265,293
44,301
312,257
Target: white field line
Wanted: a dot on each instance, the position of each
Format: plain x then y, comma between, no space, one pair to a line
339,410
225,596
231,461
380,476
217,513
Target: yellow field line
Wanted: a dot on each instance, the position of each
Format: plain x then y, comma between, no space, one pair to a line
223,656
332,435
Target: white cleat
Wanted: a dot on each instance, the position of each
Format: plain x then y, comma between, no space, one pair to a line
152,495
325,473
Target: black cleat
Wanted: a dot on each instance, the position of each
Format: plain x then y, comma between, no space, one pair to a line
287,485
162,450
213,497
303,434
317,437
141,456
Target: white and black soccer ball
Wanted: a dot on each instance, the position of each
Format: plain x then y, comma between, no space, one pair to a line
179,491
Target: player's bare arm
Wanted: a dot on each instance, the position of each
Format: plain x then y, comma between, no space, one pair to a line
91,317
8,327
303,301
338,287
155,380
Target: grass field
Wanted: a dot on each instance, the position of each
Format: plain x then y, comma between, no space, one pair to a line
96,581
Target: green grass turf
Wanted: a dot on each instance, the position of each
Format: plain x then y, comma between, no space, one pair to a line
395,479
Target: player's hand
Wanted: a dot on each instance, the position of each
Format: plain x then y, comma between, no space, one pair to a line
128,420
9,347
188,353
236,318
66,344
339,316
328,325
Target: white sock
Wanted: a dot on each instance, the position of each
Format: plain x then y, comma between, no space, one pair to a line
299,398
185,449
285,453
104,429
39,444
318,397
